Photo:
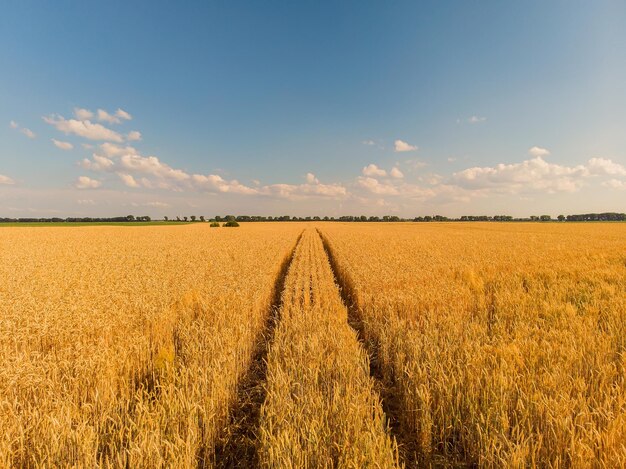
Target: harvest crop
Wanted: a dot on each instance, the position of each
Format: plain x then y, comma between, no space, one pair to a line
314,345
123,346
501,345
321,409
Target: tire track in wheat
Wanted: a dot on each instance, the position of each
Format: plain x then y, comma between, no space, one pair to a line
321,408
388,395
238,447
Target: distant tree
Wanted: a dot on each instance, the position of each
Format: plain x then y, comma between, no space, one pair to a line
193,218
165,218
147,218
534,218
185,218
202,218
130,218
561,218
545,218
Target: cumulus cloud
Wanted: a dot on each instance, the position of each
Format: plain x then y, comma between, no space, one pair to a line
123,114
615,184
128,180
133,136
295,191
29,133
112,150
15,126
538,151
311,179
6,180
532,174
85,182
104,116
82,114
214,182
85,129
604,166
371,170
97,163
402,146
376,187
153,166
62,145
396,173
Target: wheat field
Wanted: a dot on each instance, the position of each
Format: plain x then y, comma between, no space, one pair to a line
314,345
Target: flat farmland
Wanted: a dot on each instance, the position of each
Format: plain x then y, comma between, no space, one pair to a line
314,345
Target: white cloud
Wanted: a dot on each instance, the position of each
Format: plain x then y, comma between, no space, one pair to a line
133,136
112,150
123,114
311,179
402,146
85,182
532,174
396,173
604,166
128,180
293,192
85,129
451,159
6,180
376,187
371,170
97,163
104,116
538,151
153,166
82,114
476,119
615,184
213,182
87,146
29,133
62,145
415,164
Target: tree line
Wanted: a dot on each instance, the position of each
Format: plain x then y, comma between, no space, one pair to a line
607,216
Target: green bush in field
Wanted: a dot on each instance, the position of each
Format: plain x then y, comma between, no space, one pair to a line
231,223
214,224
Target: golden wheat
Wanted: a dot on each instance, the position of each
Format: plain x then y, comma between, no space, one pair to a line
497,345
503,344
321,410
123,346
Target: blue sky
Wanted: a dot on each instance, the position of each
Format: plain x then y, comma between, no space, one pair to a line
307,108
